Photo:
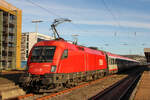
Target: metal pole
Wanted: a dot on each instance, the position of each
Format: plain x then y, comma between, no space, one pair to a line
36,24
36,27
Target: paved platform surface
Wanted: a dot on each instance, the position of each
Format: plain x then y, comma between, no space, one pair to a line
10,76
11,72
143,89
8,87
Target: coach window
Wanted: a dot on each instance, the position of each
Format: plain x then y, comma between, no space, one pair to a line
65,54
114,61
109,61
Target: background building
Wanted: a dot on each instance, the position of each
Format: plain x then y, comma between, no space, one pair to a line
10,36
27,42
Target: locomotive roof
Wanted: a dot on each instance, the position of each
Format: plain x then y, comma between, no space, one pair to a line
51,42
119,57
63,43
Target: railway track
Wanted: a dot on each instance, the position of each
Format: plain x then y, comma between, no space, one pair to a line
46,96
63,91
120,90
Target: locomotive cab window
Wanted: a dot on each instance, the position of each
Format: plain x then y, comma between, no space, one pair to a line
65,54
43,54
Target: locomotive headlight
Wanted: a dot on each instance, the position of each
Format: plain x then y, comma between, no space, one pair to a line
53,68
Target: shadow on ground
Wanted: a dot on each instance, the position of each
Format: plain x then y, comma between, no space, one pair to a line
14,77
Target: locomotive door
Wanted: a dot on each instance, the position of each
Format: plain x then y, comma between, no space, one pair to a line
85,62
63,62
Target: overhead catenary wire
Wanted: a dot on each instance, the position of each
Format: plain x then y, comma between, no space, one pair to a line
112,14
77,26
51,12
43,8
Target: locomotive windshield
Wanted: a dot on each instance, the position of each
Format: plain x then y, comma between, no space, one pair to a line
43,54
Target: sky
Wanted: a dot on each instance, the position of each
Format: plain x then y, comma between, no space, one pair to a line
116,26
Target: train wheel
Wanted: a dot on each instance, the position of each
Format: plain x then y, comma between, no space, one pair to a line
67,84
59,85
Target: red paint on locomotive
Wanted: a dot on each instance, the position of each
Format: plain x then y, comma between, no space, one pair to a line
79,59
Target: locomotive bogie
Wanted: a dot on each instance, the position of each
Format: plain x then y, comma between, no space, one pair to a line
51,81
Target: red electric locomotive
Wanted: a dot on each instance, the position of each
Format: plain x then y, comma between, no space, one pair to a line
59,56
59,63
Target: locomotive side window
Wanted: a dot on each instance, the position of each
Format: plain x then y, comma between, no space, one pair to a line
65,54
43,54
112,61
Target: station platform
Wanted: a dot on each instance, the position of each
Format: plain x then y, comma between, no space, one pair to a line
8,87
143,88
13,76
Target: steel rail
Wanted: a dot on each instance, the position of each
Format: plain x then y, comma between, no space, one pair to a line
25,96
119,89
